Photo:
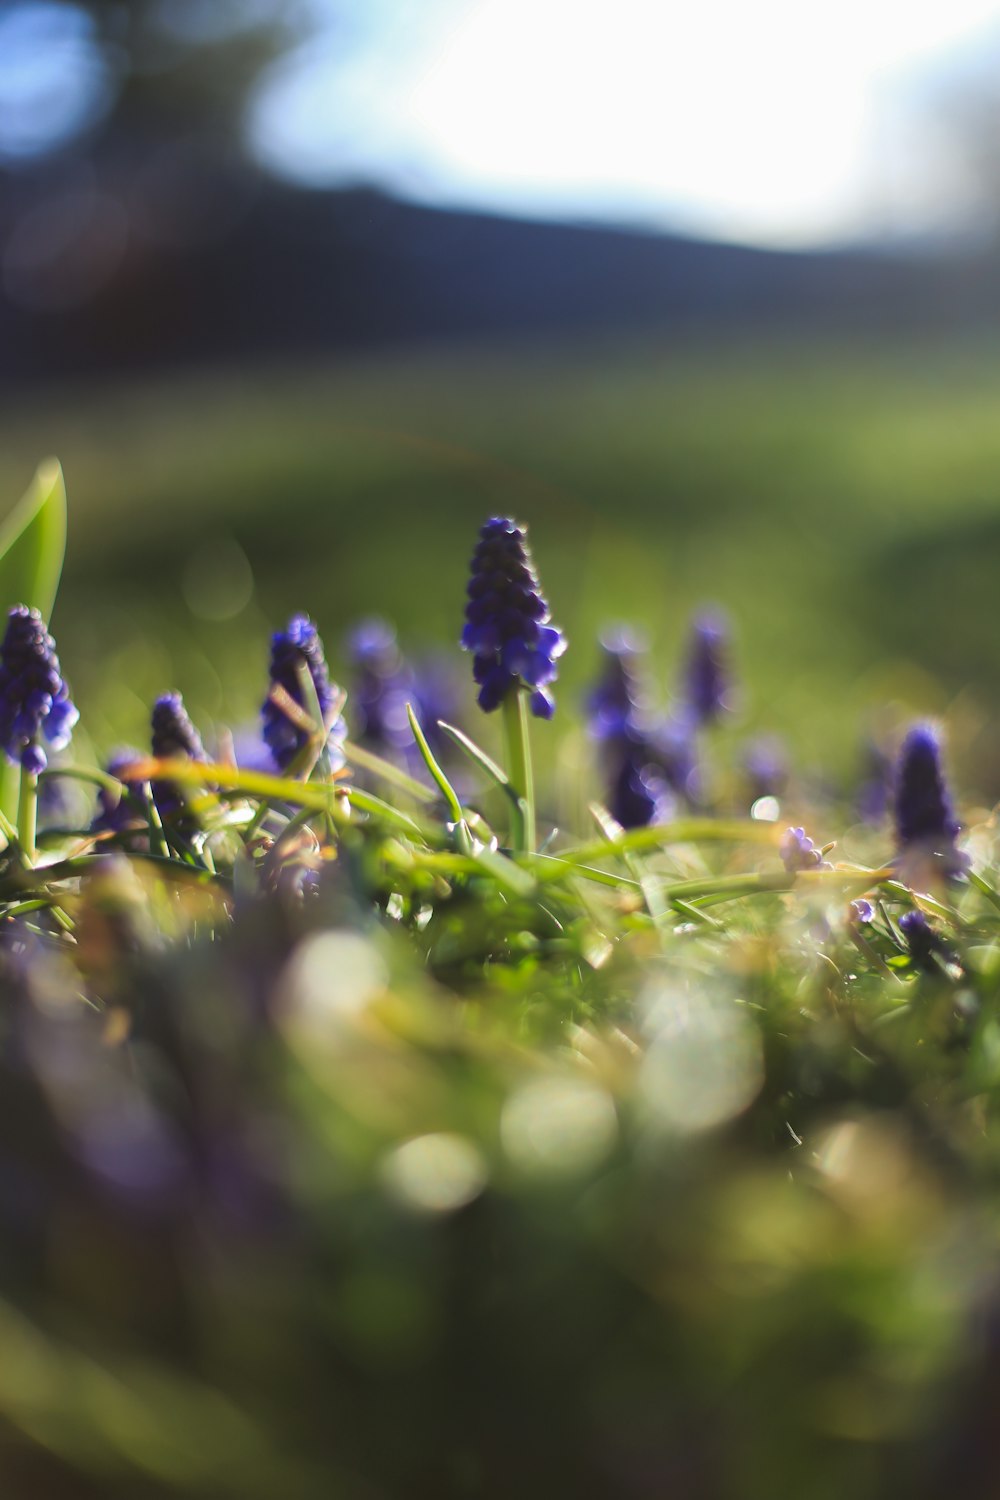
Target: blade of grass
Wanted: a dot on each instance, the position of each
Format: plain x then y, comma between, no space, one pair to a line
447,790
490,769
684,831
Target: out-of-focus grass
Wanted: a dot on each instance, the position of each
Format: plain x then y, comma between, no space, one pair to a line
842,504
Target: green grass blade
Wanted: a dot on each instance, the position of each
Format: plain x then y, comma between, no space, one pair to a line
447,790
684,831
33,543
495,774
368,761
32,549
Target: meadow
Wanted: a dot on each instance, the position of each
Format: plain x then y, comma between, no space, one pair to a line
379,1121
841,503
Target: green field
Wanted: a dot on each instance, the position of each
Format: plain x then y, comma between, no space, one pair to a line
357,1143
843,505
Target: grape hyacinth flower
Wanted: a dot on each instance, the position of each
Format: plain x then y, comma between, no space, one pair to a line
34,699
876,783
174,737
438,696
116,814
507,619
618,697
618,719
675,753
297,654
381,688
926,826
928,949
706,675
639,795
798,852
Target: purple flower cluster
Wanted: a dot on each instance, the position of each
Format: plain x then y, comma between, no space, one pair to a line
34,699
173,737
507,626
876,782
381,688
618,718
618,697
798,852
115,814
296,652
926,826
706,675
926,946
638,793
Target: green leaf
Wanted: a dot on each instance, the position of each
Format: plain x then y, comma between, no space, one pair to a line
33,543
505,872
983,887
479,758
358,756
490,768
448,791
662,835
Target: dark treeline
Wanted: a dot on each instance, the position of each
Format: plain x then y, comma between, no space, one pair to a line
247,268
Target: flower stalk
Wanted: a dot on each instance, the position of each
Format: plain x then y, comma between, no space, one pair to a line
27,814
519,768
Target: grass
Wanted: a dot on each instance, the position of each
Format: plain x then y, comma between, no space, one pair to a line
352,1146
843,504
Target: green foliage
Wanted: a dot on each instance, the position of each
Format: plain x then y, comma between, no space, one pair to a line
33,543
839,501
357,1146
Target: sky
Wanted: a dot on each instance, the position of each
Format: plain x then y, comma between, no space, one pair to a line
778,122
774,122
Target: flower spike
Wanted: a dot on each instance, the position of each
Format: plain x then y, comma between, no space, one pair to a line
707,682
507,623
926,826
34,699
296,650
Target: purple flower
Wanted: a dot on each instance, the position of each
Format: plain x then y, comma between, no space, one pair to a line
381,688
116,814
706,677
675,753
926,826
34,699
617,698
876,784
295,652
507,624
639,795
439,695
174,737
925,945
173,734
861,910
798,852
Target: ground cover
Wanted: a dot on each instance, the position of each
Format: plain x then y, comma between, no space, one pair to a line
840,502
372,1128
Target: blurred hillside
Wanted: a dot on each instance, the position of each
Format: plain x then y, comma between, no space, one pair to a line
192,260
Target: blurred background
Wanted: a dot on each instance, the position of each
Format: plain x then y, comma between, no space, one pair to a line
301,290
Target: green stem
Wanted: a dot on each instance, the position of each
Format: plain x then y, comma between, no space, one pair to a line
515,723
8,789
27,806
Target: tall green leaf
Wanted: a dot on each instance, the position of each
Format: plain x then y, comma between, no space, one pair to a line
33,542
